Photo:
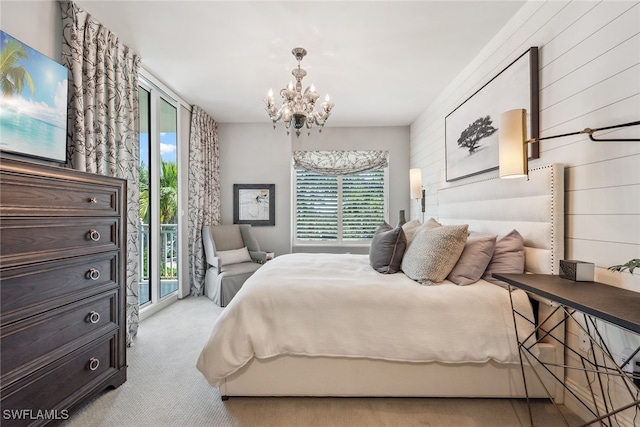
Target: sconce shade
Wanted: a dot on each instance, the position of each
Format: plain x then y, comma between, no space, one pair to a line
415,182
512,145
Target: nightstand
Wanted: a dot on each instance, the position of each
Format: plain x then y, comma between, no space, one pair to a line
587,301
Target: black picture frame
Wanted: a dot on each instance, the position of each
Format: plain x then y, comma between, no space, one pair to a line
254,204
471,130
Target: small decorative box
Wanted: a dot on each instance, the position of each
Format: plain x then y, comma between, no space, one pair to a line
578,271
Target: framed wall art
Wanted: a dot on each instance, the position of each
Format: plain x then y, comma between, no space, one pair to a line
33,102
254,204
471,130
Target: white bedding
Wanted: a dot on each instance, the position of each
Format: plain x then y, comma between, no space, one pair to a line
337,305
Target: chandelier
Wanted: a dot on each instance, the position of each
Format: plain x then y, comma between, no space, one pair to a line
298,108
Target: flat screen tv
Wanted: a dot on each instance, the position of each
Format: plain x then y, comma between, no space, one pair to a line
33,107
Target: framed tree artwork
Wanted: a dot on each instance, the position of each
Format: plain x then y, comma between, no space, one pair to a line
471,130
254,204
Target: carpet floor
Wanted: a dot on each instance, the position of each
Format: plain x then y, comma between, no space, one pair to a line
164,388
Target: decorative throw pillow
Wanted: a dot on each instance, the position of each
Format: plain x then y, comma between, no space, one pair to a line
473,262
433,253
431,223
234,256
387,247
410,228
508,257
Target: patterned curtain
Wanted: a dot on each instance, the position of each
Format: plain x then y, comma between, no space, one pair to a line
204,190
340,162
103,120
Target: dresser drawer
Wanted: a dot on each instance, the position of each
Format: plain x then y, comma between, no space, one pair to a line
28,290
39,239
34,342
49,196
57,388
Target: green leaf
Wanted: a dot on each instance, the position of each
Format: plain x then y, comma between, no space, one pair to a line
630,265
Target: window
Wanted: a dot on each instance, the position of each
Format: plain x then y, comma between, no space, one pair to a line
158,195
338,209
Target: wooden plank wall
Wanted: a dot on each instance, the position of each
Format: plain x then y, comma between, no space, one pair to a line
589,67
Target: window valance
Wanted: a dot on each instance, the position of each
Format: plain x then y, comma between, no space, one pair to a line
340,162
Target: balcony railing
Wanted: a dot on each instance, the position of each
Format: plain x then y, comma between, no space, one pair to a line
168,260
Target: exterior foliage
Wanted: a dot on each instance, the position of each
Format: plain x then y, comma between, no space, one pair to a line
12,76
168,193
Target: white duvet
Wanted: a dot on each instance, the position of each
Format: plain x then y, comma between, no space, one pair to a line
337,305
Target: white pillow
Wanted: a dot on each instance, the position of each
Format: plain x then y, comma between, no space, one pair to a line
234,256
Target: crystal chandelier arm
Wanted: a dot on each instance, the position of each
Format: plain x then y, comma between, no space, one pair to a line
298,107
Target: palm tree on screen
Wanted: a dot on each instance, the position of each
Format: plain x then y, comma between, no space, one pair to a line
13,76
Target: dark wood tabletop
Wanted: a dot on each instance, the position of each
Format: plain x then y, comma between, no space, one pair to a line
618,306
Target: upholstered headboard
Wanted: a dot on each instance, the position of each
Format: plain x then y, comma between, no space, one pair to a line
534,207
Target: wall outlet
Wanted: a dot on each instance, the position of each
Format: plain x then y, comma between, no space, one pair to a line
630,366
584,341
624,362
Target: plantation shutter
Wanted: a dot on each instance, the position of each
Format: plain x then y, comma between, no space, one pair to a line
362,204
340,195
316,206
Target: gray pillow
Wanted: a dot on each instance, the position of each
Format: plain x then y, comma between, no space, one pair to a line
508,257
474,260
433,253
387,247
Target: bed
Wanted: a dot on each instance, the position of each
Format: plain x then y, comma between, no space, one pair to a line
330,325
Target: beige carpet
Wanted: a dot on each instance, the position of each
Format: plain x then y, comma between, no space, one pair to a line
164,388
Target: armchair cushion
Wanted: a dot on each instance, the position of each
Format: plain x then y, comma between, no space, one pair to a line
234,256
226,237
247,237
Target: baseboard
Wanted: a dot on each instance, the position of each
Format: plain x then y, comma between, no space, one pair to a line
583,393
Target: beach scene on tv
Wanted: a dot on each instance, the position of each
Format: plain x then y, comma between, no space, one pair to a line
33,107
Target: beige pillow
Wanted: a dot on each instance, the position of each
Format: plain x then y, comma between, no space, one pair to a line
434,252
474,260
431,223
410,228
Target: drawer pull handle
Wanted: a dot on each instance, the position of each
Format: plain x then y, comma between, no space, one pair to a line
94,235
93,316
93,274
93,364
93,200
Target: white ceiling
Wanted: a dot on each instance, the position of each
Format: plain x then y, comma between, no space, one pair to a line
382,62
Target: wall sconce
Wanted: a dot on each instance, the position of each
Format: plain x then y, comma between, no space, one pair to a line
415,183
513,152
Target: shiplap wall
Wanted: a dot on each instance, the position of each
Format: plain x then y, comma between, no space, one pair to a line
589,76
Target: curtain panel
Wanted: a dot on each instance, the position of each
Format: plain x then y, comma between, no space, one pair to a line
340,162
103,128
204,191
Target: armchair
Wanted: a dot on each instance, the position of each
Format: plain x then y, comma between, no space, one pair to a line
233,255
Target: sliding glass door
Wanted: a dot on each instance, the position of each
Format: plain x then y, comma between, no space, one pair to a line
158,196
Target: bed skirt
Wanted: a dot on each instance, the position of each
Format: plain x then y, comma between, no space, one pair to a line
324,376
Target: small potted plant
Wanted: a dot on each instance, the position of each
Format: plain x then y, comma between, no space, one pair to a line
630,266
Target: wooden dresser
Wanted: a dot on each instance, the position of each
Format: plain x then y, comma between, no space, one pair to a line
62,283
